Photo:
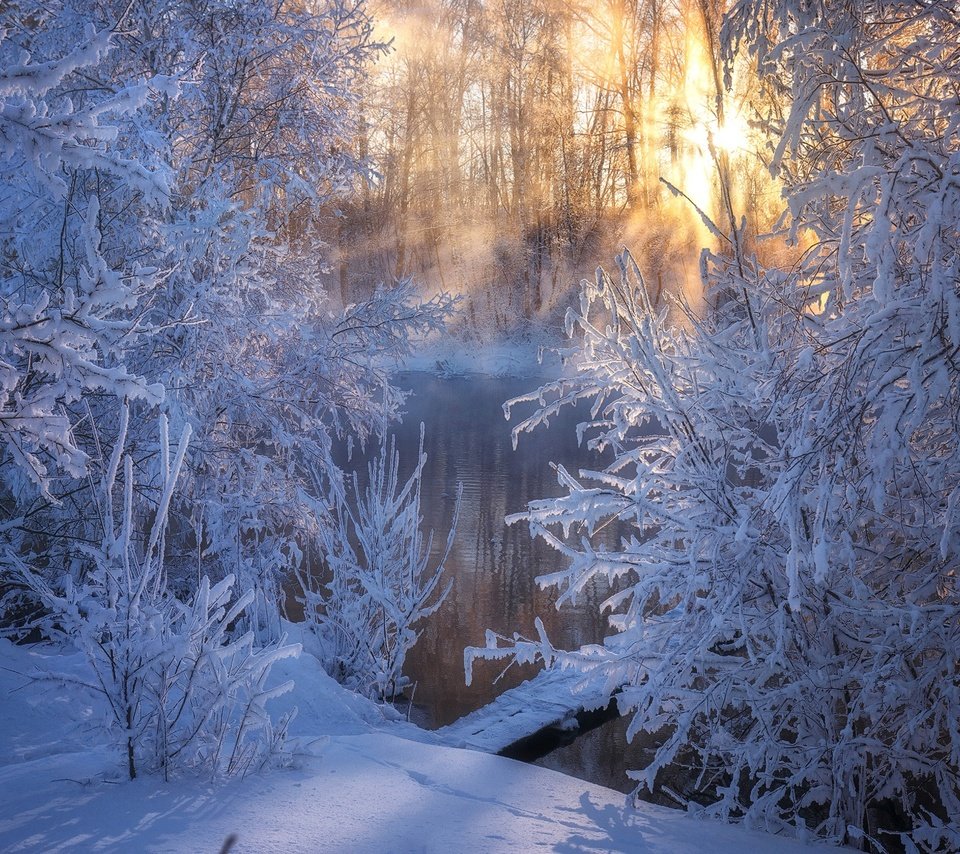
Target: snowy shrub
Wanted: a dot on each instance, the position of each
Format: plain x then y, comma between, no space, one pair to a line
183,691
787,609
285,387
810,683
376,584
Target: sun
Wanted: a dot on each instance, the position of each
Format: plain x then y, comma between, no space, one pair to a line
732,135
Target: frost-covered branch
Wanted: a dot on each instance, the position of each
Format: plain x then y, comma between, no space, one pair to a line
184,692
375,584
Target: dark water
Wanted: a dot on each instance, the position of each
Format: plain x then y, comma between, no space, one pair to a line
494,565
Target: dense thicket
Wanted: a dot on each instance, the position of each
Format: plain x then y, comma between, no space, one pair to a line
164,171
788,617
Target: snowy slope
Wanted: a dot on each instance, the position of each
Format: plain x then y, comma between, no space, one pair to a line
357,786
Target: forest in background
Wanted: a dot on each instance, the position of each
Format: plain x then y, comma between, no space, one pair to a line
513,144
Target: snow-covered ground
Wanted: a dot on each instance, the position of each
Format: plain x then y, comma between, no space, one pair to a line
363,780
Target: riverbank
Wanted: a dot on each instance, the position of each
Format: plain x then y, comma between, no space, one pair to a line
362,780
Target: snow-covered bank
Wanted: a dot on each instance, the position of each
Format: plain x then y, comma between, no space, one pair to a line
366,793
358,784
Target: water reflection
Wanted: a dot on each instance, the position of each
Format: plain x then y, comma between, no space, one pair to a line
603,756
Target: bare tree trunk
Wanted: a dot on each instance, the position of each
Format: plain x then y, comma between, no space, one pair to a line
404,191
619,34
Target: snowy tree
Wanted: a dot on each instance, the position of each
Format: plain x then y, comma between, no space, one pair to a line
786,605
172,259
68,297
265,366
253,110
377,583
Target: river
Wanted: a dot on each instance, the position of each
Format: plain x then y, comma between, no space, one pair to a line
493,566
